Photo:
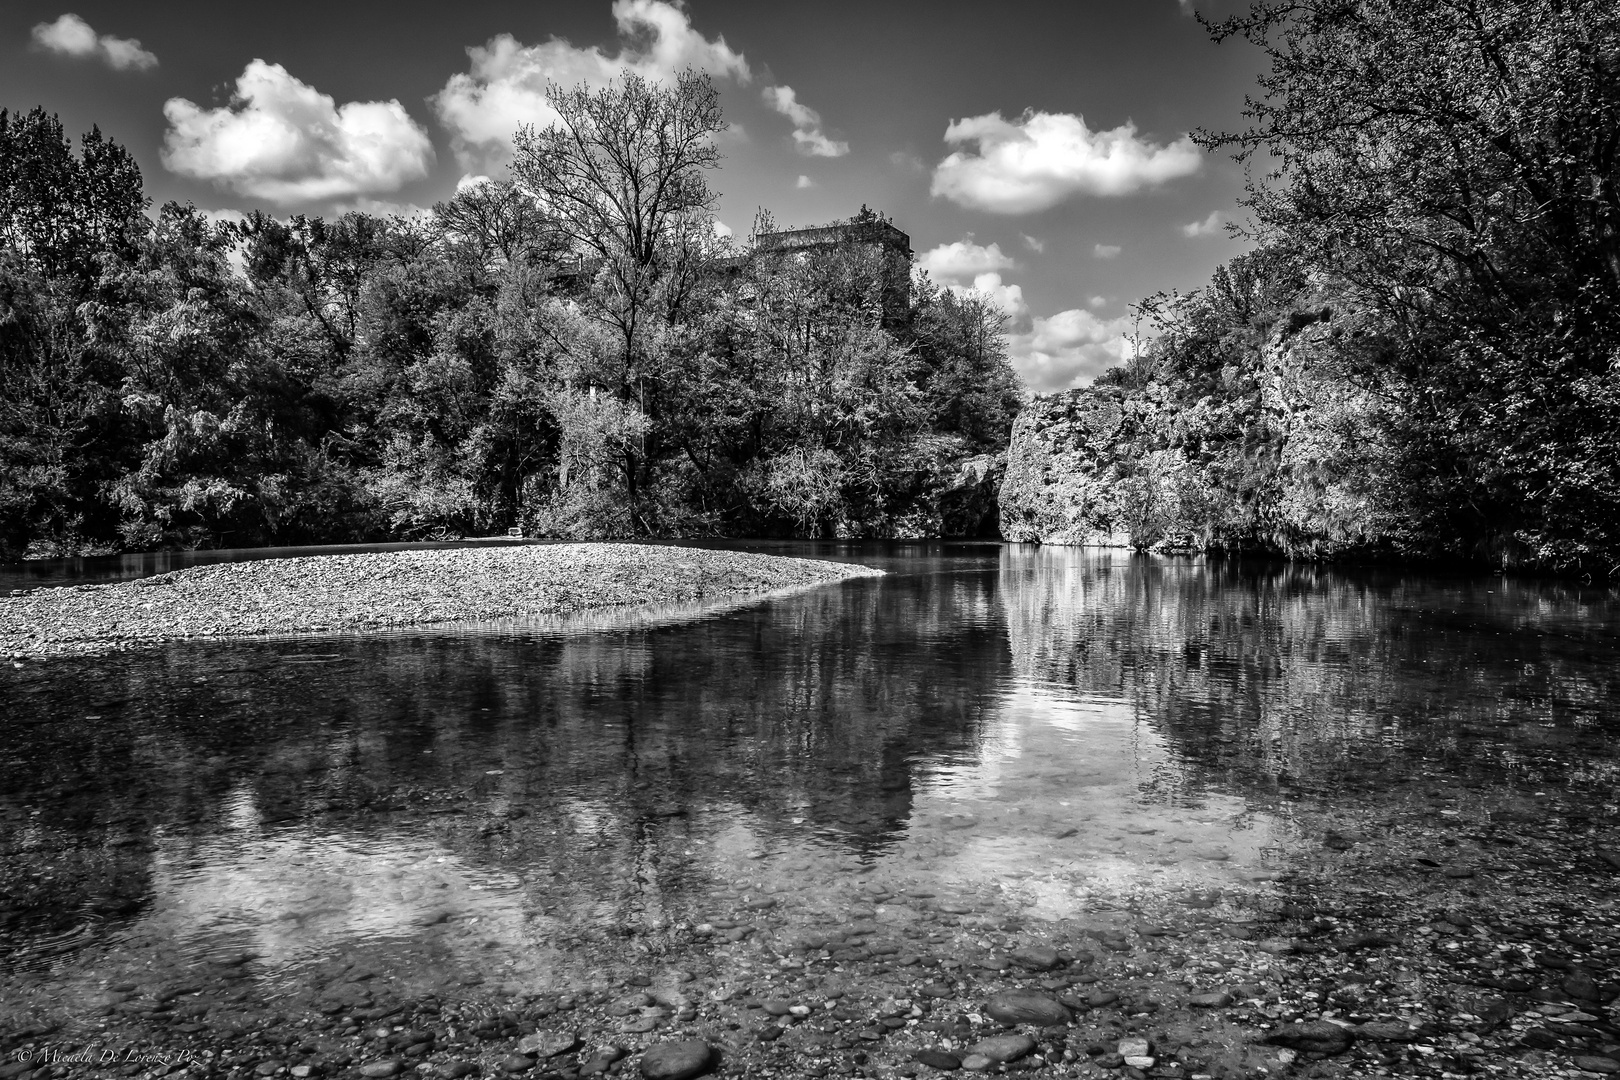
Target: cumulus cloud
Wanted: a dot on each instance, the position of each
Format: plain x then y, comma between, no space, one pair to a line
70,35
1068,349
964,260
807,134
1039,160
1009,298
282,140
1098,301
1210,226
505,87
804,182
1105,251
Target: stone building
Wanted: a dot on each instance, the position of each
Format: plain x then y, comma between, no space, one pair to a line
867,230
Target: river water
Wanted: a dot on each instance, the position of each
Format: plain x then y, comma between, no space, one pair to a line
1037,734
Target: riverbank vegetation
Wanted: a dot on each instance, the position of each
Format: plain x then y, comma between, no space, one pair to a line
573,351
1422,355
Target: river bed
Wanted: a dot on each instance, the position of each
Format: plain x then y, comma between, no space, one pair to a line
1212,817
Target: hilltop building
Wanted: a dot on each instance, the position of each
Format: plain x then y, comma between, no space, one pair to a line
867,230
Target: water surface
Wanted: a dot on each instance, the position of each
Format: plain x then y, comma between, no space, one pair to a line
1032,733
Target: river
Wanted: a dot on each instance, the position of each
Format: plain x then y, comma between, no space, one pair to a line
991,747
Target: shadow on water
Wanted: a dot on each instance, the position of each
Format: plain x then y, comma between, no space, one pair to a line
516,800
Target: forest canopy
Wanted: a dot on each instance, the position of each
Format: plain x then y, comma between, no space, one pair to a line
572,351
1421,356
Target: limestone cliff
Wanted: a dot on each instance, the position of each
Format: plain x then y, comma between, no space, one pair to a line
1280,453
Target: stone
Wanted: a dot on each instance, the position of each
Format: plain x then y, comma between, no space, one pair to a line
1594,1064
1026,1007
516,1063
1136,1047
978,1063
1386,1031
1002,1047
1210,1001
1036,957
379,1068
1098,998
455,1070
677,1060
548,1044
938,1059
1582,987
1316,1037
267,1068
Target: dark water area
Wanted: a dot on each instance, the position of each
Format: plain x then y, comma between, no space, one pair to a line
1046,732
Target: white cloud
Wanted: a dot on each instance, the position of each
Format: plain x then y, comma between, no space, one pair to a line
1210,226
807,134
384,208
1034,243
804,182
283,140
1105,251
722,231
1041,159
506,86
1098,301
70,35
1068,349
964,260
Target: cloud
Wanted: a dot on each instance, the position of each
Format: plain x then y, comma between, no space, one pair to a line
1068,349
1210,226
1041,159
1034,243
807,134
384,208
1097,302
804,182
964,260
70,35
282,140
1105,251
905,159
505,87
722,231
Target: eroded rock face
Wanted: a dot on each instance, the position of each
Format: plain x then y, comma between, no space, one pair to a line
1283,458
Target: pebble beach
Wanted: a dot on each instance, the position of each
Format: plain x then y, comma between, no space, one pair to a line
381,590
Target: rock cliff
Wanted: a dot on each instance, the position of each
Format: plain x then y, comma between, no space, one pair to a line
1279,454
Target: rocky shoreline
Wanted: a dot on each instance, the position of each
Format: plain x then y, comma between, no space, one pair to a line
380,590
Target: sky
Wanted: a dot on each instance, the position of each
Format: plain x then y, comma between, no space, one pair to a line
1037,152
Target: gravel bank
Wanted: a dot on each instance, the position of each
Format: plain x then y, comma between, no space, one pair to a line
388,589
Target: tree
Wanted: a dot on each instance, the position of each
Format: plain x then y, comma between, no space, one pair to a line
622,177
59,212
1455,166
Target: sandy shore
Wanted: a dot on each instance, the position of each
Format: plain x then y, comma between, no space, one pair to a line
377,590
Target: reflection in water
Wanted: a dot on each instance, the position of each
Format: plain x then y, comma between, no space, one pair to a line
1002,725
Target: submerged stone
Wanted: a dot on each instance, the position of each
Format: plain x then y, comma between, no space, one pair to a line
1024,1007
1003,1047
678,1060
1316,1037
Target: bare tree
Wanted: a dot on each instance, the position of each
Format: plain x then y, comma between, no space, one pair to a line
622,177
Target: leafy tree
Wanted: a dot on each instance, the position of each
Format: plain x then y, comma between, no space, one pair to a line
1454,166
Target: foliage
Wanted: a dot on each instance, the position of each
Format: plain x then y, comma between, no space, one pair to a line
572,351
1452,169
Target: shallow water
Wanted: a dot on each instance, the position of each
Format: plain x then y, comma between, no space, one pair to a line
1028,733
